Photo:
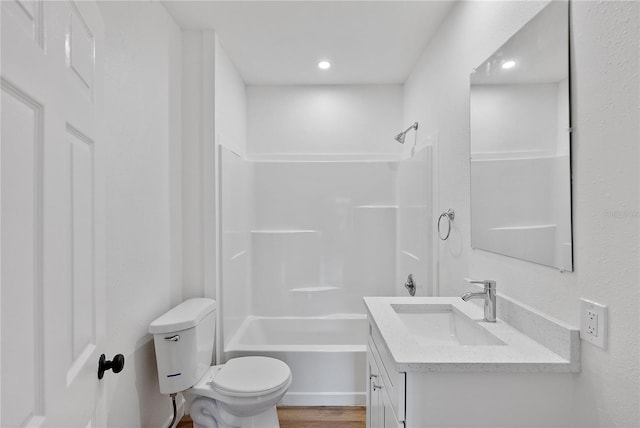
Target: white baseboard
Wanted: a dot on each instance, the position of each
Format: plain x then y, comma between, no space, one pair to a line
323,399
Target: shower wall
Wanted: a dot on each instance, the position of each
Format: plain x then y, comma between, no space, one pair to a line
324,236
304,238
415,227
236,213
312,237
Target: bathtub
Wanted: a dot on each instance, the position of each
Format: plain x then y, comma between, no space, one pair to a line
327,355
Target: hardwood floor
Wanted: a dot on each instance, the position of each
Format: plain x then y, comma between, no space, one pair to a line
322,417
312,417
185,422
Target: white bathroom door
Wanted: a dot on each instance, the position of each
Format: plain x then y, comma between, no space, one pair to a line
52,297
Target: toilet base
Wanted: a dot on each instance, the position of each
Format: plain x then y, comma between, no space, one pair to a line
207,413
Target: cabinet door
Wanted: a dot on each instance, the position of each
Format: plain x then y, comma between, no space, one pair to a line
380,412
375,411
389,419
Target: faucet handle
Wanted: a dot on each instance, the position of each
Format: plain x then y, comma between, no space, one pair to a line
488,283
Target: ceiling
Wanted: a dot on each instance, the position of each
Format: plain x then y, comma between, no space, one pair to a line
281,42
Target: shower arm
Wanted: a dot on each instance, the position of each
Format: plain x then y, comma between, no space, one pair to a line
414,126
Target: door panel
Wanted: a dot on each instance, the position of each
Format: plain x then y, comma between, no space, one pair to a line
22,328
52,253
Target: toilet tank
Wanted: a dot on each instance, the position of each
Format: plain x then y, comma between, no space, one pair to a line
184,339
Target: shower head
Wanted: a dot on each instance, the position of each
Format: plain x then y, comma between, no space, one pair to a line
400,137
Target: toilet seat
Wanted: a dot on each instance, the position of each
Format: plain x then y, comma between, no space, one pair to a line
250,376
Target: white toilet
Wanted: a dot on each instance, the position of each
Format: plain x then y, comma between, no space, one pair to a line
239,394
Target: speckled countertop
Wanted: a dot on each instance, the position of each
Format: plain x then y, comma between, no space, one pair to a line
520,353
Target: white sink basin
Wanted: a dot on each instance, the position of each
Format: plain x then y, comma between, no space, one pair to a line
443,324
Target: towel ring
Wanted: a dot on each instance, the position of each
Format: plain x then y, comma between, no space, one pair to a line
450,214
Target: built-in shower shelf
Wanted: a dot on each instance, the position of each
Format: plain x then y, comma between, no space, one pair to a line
377,206
283,231
314,289
529,227
515,156
324,158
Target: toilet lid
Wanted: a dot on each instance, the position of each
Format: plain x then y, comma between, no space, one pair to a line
251,375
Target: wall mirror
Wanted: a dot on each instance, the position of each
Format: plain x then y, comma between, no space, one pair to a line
521,144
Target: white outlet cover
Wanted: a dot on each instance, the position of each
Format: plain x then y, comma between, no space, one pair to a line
600,339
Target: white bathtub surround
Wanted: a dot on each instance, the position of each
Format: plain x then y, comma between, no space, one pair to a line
326,355
310,220
518,353
236,213
304,237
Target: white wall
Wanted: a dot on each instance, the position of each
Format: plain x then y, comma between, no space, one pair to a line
142,142
198,163
213,113
605,190
192,183
324,119
230,132
230,103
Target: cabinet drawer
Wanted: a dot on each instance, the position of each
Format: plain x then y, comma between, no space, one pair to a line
393,381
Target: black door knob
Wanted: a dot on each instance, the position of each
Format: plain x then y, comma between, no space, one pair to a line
116,364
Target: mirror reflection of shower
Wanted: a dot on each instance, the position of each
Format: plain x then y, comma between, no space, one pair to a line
400,137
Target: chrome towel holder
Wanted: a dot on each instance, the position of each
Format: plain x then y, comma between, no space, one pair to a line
450,214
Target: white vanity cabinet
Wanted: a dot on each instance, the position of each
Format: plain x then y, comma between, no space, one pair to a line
498,377
461,399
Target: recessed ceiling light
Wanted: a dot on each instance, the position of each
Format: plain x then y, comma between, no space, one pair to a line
508,64
324,65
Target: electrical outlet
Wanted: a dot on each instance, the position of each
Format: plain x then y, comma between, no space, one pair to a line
593,323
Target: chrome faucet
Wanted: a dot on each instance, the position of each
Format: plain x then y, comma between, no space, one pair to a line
489,296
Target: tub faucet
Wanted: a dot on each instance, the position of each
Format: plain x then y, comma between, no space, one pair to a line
489,296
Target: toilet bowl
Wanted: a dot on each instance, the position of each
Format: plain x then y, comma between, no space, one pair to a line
242,393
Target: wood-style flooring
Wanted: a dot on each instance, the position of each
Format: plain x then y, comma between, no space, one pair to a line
312,417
